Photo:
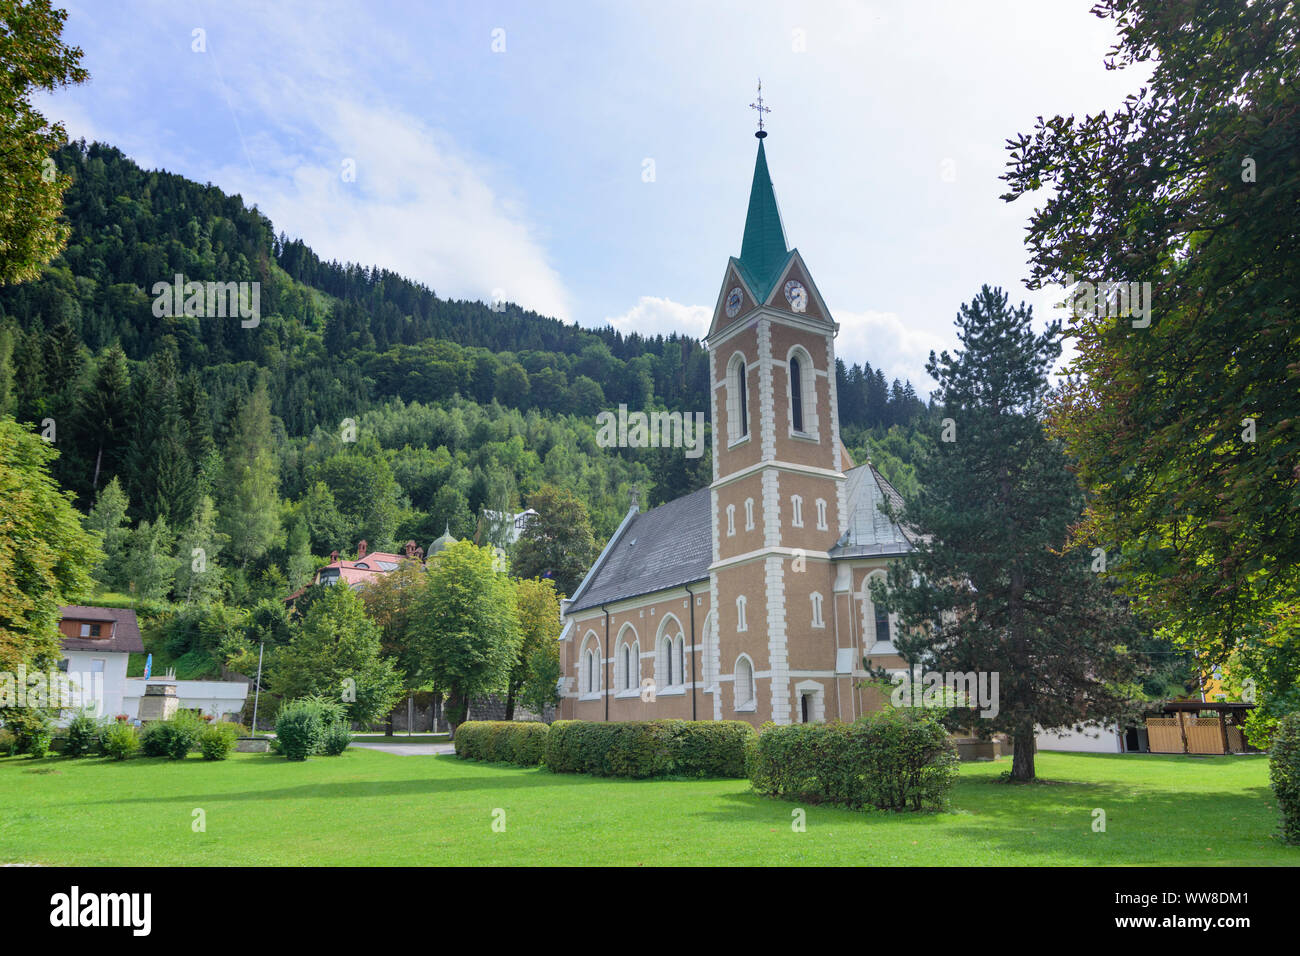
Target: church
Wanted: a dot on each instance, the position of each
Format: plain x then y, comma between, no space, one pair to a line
748,599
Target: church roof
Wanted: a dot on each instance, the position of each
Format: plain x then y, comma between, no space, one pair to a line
763,251
871,533
440,542
663,548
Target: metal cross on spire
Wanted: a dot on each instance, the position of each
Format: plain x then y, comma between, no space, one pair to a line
761,110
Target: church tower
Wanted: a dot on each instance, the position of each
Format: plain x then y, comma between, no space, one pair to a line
778,490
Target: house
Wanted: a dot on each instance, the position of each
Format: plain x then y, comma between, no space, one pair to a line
97,644
503,527
748,599
367,566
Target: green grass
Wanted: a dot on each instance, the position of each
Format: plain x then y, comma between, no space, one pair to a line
368,807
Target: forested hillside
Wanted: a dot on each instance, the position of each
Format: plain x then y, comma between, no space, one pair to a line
199,426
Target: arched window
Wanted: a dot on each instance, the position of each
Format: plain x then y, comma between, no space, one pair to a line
741,623
710,644
749,514
731,519
681,659
627,666
796,511
669,674
821,514
878,617
589,665
744,682
796,392
817,611
737,398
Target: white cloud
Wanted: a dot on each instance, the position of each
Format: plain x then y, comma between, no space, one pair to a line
653,315
889,343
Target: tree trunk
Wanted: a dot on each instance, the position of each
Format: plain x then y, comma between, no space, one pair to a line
457,706
1022,757
510,702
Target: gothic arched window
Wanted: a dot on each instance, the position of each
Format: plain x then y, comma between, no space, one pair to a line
796,392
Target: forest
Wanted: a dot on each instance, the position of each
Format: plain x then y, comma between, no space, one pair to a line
360,406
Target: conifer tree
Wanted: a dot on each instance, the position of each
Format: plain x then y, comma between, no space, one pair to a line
992,586
250,481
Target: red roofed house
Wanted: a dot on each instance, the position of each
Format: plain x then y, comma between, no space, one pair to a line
368,566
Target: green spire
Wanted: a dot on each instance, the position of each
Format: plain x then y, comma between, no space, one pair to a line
763,250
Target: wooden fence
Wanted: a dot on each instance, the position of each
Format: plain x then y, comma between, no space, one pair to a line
1203,735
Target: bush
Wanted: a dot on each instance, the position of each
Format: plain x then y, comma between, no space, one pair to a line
83,736
1284,775
217,740
119,740
300,727
522,743
8,742
338,736
31,729
655,748
172,738
896,759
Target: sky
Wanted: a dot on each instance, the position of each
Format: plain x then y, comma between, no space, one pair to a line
593,161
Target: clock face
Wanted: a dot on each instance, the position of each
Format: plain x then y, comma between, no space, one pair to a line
796,295
734,299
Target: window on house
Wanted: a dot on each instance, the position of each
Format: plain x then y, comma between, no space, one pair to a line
589,683
749,514
627,667
821,514
741,623
796,393
731,519
90,630
681,659
817,611
796,511
97,666
668,661
744,682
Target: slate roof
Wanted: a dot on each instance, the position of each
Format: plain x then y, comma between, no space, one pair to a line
665,547
123,637
870,532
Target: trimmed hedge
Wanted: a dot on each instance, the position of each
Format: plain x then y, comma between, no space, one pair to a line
522,743
892,760
1284,775
649,748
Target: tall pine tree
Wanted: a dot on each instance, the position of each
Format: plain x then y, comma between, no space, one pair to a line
991,586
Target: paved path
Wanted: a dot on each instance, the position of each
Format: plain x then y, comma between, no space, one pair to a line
409,750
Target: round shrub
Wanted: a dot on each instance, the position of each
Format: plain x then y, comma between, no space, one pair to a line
8,742
300,728
172,738
336,739
217,740
38,742
893,760
83,736
1284,774
119,740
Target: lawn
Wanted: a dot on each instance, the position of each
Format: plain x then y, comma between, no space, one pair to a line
368,807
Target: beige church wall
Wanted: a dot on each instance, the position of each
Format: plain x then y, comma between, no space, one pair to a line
809,648
821,453
749,451
748,579
809,488
734,493
646,620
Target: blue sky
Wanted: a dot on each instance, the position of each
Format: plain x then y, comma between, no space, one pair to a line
523,169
